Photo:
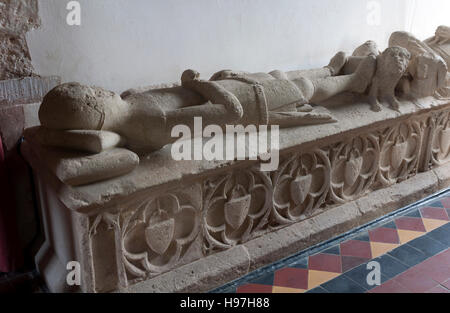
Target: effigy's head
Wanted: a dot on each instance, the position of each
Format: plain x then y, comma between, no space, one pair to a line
75,106
394,60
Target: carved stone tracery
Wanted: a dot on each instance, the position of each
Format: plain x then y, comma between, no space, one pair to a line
354,167
300,186
400,152
154,235
236,207
440,146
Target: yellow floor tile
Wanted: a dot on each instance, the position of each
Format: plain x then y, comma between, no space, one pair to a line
431,224
379,248
277,289
317,278
408,235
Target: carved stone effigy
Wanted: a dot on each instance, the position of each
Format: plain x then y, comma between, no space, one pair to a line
142,221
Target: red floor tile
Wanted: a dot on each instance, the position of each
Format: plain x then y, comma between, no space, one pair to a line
438,289
349,262
291,278
325,262
390,286
434,213
254,288
444,257
384,235
356,248
410,223
416,280
435,270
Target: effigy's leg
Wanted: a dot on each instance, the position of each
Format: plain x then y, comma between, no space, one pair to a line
368,48
357,82
352,64
332,69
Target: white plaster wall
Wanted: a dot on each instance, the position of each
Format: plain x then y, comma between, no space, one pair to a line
426,15
129,43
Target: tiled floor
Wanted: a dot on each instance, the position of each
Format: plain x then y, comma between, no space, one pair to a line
412,248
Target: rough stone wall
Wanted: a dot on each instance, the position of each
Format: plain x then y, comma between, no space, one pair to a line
17,17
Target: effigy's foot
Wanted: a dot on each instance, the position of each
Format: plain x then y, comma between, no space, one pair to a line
337,63
368,48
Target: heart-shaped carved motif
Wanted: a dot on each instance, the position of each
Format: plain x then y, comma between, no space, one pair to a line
300,188
160,235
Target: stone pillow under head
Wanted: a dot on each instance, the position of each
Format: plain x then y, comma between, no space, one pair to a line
76,169
92,141
81,157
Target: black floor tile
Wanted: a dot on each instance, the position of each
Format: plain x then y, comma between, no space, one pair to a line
333,250
359,275
427,245
343,284
390,267
362,237
228,290
266,279
415,213
302,263
408,255
317,290
391,224
436,204
441,234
